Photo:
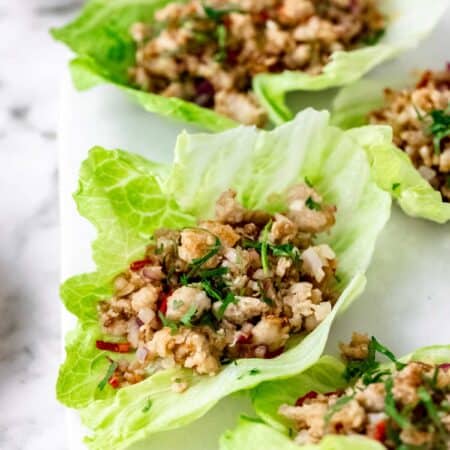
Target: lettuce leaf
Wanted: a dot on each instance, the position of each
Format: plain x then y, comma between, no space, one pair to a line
272,430
100,39
392,168
127,197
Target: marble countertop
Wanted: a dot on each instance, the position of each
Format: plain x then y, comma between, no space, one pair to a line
30,343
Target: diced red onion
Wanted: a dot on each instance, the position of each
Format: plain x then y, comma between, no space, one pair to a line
308,396
141,354
153,273
445,366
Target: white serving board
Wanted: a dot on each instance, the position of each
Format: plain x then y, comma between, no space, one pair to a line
407,300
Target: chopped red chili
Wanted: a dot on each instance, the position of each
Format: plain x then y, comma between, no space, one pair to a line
163,302
379,433
274,354
114,382
308,396
138,265
117,347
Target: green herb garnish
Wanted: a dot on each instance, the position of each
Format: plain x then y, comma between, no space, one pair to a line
308,182
311,204
230,298
109,373
440,127
197,263
206,286
211,273
251,372
148,406
373,37
221,35
218,14
340,403
390,408
188,316
168,323
368,369
264,247
432,411
395,186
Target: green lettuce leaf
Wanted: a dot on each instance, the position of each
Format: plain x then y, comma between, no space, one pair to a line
272,431
100,39
127,197
392,168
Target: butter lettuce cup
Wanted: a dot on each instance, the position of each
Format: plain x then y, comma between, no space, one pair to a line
415,169
217,64
215,273
357,403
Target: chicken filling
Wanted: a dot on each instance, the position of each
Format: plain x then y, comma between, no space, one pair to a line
420,118
404,408
208,52
234,287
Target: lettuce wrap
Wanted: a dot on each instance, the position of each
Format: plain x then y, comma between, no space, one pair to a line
392,168
104,51
127,197
271,431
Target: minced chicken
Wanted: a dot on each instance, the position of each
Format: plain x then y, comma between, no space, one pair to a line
208,52
407,408
420,118
235,287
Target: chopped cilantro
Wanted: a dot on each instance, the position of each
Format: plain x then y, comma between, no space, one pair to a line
168,323
432,411
395,186
264,247
221,34
177,304
206,285
197,263
230,298
438,125
340,403
188,316
390,408
109,373
251,372
217,14
311,204
211,273
147,406
373,37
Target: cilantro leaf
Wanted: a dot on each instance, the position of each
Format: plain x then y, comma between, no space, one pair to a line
311,204
188,316
168,323
230,298
390,408
109,373
264,247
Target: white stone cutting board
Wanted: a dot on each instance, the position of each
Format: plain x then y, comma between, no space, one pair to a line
407,300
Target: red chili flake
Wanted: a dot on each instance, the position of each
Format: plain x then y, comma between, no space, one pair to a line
163,302
379,433
274,354
445,366
308,396
424,80
114,382
138,265
117,347
243,338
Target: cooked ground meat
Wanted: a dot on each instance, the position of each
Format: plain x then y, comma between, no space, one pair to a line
235,287
405,408
208,52
420,118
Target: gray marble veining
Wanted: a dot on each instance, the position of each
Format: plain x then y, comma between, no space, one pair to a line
31,65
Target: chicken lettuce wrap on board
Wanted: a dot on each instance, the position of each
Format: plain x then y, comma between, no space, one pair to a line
218,63
416,169
359,404
214,274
